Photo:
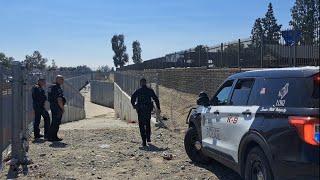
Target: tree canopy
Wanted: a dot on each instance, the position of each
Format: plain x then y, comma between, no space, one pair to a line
136,50
200,54
53,65
266,30
35,61
5,61
271,29
104,69
257,33
82,69
305,18
120,57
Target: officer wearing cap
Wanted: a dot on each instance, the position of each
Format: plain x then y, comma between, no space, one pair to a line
141,101
39,98
57,102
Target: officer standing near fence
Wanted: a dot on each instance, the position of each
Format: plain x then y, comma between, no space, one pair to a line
39,98
57,102
141,101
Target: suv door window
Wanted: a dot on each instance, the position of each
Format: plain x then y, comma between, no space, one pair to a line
222,97
241,92
286,92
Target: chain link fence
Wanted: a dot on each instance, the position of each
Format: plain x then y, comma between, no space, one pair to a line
16,111
175,106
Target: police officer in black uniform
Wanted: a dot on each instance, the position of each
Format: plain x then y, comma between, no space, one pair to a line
39,98
57,102
141,101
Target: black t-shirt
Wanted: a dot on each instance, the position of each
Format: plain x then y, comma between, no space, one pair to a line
38,96
141,98
54,92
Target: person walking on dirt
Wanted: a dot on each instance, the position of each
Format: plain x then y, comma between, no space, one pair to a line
141,101
57,102
39,98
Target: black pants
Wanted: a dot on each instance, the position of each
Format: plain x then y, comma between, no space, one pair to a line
144,117
56,121
41,111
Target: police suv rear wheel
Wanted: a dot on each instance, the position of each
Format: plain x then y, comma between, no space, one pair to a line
257,166
192,145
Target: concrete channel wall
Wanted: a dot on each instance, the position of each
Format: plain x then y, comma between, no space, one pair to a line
74,108
187,80
122,105
79,82
72,113
102,93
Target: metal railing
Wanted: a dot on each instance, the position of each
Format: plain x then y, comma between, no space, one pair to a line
16,111
237,54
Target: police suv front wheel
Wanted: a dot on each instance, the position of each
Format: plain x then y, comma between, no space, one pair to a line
257,166
192,145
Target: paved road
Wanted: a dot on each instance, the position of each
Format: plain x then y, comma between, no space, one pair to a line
102,147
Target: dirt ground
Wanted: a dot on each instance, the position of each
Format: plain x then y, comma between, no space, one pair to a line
102,147
175,106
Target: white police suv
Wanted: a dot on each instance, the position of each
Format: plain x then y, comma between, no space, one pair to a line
263,124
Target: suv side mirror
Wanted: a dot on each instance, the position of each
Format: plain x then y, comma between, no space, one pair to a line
203,99
214,101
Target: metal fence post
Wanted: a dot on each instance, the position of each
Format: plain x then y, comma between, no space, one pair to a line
26,82
239,53
221,54
1,119
158,95
295,54
17,110
261,55
25,104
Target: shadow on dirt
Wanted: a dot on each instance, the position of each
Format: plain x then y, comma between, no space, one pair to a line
58,145
221,171
153,148
38,141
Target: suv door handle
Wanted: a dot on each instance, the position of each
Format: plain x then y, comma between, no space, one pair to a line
247,112
216,112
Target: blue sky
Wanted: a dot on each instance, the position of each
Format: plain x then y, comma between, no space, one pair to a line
77,32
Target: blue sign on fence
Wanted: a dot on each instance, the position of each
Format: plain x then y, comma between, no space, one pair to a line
291,37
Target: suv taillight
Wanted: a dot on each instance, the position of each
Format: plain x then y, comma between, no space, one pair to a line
307,127
317,79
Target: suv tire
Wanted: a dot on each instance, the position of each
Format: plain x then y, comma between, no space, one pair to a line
257,166
195,155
